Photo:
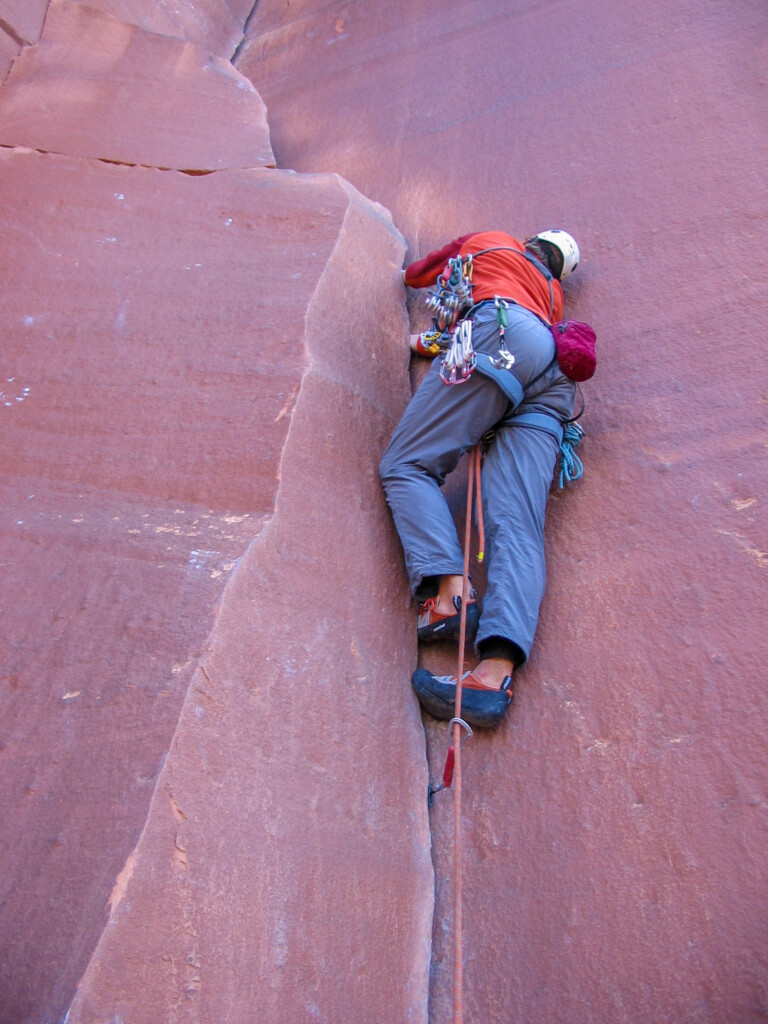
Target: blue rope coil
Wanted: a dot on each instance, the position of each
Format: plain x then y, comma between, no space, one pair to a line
571,466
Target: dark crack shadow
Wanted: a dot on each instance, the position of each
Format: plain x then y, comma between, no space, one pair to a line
241,44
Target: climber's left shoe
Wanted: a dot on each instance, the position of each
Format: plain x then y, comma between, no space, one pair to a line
480,706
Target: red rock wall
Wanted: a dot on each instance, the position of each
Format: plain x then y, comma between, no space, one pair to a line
615,825
21,22
213,771
98,87
216,25
287,837
202,809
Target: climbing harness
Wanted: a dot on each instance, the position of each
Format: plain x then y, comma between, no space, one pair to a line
452,295
451,306
460,358
450,301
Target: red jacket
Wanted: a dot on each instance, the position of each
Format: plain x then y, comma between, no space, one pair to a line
503,273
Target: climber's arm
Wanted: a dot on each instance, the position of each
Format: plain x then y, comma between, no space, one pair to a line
425,272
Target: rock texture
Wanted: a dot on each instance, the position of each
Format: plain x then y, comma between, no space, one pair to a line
23,19
276,853
97,87
615,825
213,772
216,25
272,861
21,22
148,402
9,47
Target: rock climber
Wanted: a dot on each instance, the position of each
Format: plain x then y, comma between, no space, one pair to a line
517,390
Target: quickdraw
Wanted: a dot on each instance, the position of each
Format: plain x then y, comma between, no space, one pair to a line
460,359
504,360
452,294
451,297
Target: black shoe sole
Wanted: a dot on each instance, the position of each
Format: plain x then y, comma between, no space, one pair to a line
483,708
449,629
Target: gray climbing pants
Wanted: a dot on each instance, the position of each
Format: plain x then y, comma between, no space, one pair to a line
439,425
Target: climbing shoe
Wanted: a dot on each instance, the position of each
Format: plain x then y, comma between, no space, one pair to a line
479,706
433,625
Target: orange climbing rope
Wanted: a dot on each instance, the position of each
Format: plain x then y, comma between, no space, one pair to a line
458,724
452,771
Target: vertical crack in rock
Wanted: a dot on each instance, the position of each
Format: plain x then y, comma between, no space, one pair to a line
159,340
302,801
586,793
9,31
246,24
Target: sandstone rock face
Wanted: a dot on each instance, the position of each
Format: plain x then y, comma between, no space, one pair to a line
97,87
9,47
615,825
21,22
23,19
272,862
153,413
213,771
216,25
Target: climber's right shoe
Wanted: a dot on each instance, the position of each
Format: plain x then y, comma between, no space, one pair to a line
480,706
433,625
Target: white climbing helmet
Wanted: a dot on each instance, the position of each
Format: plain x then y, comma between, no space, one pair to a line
567,246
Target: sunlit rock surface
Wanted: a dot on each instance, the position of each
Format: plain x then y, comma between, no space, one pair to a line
213,770
615,825
97,87
23,19
152,396
21,22
216,25
287,837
